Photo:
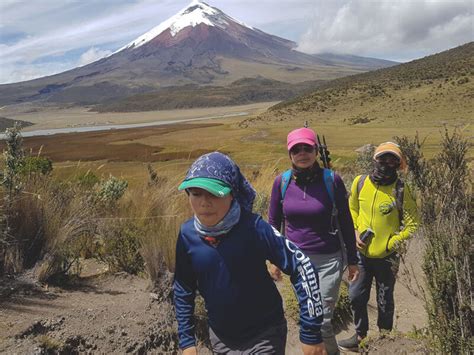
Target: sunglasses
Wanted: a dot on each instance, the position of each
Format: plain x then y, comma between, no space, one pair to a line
302,148
388,159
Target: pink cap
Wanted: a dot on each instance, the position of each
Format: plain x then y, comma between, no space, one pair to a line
301,135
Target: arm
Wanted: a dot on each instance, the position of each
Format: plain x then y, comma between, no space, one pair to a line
275,209
184,295
410,219
345,221
303,275
275,217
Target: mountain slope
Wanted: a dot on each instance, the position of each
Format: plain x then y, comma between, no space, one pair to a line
240,92
434,89
199,45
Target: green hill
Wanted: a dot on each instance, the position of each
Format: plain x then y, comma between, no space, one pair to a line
429,91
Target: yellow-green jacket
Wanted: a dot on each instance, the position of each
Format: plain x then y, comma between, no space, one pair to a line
373,207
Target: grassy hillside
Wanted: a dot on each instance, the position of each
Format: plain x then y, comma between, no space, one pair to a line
428,92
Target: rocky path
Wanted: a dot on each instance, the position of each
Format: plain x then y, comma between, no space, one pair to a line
119,314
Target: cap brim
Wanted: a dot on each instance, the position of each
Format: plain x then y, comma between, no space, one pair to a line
301,141
395,153
213,186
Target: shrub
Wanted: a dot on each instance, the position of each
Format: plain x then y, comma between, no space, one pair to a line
36,165
87,180
112,190
342,312
445,192
11,185
121,246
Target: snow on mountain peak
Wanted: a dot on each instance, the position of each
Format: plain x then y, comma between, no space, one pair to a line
195,13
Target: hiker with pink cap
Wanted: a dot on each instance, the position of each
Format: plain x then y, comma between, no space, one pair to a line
309,206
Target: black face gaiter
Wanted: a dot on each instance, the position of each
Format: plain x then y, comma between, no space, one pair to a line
306,176
384,174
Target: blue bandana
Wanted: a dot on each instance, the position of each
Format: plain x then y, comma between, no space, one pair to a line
219,166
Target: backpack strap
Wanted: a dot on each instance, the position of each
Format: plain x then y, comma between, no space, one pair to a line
399,192
360,183
285,181
328,176
329,182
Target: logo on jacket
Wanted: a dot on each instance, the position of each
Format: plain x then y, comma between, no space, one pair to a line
309,282
385,208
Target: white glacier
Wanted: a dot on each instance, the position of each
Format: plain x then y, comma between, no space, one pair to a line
195,13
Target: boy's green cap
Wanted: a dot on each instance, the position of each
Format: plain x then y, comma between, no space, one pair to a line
216,187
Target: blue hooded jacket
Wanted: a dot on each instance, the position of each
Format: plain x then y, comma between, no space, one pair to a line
240,297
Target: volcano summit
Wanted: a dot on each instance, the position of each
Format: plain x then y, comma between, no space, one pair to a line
200,45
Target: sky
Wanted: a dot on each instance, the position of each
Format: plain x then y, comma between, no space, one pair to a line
44,37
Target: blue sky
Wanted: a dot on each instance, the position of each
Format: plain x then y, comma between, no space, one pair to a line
43,37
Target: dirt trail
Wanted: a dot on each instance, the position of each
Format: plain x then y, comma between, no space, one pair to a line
118,314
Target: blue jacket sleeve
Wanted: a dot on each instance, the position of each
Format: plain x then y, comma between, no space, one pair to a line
275,209
345,221
303,275
184,295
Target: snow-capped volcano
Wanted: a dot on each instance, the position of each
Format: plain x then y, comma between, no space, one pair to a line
194,14
208,31
199,45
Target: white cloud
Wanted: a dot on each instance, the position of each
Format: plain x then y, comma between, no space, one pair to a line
390,29
21,72
92,55
65,34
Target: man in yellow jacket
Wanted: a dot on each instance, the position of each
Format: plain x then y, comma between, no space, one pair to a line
385,215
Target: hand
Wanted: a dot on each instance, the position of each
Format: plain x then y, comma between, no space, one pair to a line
275,272
353,272
314,349
359,243
190,351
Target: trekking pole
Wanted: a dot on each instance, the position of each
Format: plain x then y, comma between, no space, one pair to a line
323,152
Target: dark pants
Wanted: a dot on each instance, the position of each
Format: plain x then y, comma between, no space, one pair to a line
384,270
270,341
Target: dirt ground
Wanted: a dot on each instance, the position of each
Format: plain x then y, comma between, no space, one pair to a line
50,117
119,313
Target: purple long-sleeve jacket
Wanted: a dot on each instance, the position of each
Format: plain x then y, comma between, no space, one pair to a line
307,212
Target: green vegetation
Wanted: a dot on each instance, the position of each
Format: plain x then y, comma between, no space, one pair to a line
444,187
342,312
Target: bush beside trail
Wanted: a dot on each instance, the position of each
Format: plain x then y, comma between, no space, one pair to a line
444,190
